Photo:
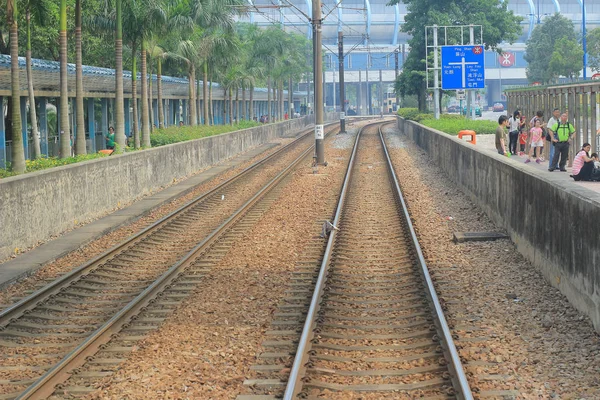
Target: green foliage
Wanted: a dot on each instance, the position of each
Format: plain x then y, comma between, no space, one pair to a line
542,45
567,59
452,124
593,48
45,163
498,23
171,135
408,113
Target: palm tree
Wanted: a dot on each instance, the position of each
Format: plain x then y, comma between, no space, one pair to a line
269,49
119,103
142,18
39,9
80,147
17,150
145,116
65,138
186,53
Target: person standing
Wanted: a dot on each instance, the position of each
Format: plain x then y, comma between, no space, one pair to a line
501,135
550,146
514,127
562,133
536,142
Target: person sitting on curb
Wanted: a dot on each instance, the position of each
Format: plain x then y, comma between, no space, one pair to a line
583,166
501,135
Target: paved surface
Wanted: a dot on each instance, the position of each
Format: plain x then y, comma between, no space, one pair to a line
27,263
487,142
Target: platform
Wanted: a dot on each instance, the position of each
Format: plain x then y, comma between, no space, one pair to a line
487,142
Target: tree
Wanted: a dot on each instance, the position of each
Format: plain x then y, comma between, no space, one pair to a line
65,131
80,146
593,48
17,151
542,44
39,10
566,59
497,22
119,103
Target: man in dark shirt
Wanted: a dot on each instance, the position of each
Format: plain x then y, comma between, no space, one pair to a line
501,134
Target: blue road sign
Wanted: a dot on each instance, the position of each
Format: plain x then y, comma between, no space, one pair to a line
463,67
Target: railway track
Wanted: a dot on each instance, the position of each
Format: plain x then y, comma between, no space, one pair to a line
373,328
50,334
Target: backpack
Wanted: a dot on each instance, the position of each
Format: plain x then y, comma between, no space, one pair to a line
557,128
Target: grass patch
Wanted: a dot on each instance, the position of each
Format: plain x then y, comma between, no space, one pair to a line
176,134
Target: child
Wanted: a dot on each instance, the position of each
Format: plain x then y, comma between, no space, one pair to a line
536,141
522,141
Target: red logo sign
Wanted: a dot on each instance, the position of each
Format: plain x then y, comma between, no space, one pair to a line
596,77
477,49
506,59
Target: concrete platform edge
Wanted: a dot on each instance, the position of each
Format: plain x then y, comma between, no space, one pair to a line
552,221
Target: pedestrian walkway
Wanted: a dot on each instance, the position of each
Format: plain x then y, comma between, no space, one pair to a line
487,142
29,262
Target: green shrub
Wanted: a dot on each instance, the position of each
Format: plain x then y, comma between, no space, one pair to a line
50,162
160,137
176,134
454,125
413,114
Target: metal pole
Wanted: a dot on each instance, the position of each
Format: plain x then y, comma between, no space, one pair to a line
342,93
368,90
317,54
584,42
436,78
472,92
359,94
396,74
380,94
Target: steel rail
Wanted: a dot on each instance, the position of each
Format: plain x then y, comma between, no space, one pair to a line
298,370
20,308
461,384
46,384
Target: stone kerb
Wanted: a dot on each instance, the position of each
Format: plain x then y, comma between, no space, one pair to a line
553,222
42,204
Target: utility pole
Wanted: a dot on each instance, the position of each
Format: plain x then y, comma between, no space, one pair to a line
584,42
342,93
472,92
317,54
381,93
396,75
436,77
359,94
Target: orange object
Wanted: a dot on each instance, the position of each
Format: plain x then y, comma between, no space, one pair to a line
109,152
472,134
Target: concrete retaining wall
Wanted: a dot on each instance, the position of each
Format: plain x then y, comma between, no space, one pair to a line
39,205
553,222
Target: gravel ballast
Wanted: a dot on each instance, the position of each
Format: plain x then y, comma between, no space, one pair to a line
535,343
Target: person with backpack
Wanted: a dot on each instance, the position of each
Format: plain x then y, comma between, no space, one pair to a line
562,133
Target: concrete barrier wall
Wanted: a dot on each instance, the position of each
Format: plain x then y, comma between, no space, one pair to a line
553,222
39,205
